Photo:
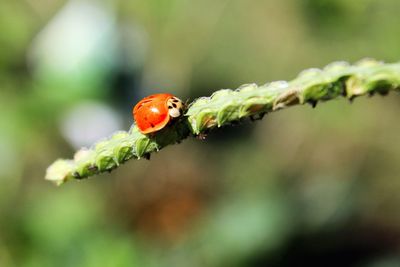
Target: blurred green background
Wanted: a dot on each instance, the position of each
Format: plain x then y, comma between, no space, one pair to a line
316,187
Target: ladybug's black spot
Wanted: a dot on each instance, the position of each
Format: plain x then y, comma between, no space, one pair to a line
174,105
169,107
175,100
152,125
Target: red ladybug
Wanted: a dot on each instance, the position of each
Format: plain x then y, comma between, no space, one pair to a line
153,112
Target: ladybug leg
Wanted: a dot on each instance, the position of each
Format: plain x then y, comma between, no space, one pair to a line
201,136
147,156
313,103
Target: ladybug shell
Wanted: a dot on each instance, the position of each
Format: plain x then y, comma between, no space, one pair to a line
151,113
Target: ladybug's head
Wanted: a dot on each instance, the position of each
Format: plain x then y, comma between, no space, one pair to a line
175,107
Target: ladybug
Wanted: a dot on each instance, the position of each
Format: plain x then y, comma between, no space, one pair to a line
154,112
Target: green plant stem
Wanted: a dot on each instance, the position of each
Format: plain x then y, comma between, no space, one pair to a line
227,106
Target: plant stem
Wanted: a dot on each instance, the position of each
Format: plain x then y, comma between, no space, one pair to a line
227,106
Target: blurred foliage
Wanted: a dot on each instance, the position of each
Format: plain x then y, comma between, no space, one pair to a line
302,186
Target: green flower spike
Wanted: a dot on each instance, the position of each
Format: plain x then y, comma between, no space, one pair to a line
228,106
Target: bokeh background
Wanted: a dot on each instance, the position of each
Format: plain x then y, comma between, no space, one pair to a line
317,187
